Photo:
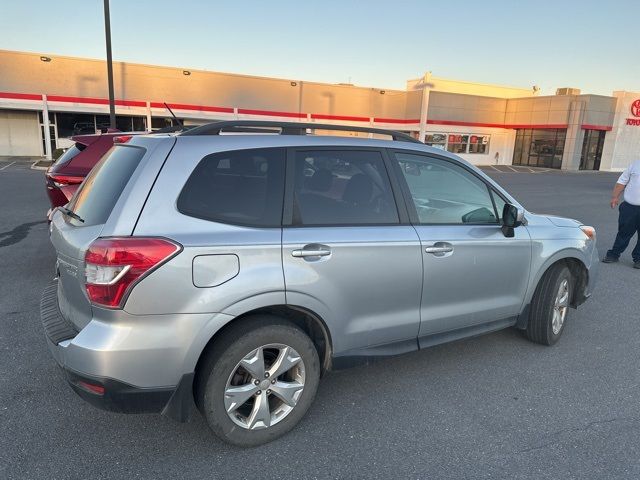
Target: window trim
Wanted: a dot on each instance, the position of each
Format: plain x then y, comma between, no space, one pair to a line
233,223
408,199
289,200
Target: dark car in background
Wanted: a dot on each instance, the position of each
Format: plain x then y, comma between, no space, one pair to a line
67,173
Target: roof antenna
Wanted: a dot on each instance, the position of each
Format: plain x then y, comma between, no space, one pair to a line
173,114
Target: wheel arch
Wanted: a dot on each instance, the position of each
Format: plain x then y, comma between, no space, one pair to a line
574,261
308,321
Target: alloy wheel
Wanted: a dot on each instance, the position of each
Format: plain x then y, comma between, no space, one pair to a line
560,307
265,386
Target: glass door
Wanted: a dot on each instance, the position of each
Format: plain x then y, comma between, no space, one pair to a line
592,149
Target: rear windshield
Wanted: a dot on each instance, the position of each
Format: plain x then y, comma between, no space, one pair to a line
69,155
100,191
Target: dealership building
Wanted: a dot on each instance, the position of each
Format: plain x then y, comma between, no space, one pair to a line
45,99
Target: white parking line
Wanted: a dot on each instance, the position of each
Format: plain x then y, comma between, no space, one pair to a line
7,166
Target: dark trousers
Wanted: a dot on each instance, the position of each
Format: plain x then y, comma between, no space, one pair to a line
628,224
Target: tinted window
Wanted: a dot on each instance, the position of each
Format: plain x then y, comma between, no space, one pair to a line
100,191
342,188
444,192
69,155
244,187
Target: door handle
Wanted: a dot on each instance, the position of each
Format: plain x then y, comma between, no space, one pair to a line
439,249
320,252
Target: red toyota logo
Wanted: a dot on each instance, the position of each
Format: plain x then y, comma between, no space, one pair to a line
635,108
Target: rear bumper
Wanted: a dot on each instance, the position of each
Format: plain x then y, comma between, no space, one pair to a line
103,391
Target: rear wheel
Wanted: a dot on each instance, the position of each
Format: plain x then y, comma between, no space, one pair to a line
259,382
550,306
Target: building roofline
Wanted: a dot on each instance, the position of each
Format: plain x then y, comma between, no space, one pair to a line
196,70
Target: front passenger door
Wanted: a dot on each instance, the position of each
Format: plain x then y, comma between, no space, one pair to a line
473,274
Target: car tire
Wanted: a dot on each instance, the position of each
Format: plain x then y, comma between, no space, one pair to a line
233,366
550,306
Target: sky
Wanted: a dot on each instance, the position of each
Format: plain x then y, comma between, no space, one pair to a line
591,45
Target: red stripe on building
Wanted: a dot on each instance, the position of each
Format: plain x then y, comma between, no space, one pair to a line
396,120
20,96
538,126
185,106
466,124
270,113
586,126
320,116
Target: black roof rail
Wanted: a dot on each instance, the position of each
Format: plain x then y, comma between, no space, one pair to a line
287,128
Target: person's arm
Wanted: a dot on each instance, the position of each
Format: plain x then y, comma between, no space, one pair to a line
617,190
620,186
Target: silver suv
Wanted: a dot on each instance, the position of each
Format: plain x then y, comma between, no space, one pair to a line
234,264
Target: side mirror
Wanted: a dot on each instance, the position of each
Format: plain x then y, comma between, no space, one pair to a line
512,217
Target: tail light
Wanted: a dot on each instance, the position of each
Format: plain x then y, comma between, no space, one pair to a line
122,138
64,180
113,266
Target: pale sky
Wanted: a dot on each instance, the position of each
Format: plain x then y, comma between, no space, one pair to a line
592,45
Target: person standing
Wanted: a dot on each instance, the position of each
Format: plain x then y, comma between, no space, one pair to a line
629,216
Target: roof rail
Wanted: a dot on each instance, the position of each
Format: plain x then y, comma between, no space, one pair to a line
287,128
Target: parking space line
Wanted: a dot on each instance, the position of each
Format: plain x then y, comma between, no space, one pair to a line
7,166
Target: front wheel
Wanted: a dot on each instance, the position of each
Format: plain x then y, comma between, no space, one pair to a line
259,382
550,306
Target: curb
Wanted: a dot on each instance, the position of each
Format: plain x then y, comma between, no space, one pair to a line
34,166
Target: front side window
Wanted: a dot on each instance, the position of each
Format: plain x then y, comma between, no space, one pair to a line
342,188
243,187
446,193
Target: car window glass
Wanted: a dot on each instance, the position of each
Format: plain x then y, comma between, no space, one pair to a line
69,155
342,188
244,187
500,203
446,193
100,191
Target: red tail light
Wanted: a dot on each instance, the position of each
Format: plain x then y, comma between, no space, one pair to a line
113,266
122,138
64,180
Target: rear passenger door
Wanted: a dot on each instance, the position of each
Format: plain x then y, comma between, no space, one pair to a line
349,253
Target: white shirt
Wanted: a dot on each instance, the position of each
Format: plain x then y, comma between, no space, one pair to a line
631,178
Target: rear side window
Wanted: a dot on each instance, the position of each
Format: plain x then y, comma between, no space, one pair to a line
243,187
69,155
349,187
100,191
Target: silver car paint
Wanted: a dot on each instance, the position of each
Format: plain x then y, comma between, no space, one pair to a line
368,291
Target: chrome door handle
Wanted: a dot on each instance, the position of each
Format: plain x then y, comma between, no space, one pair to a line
439,249
310,253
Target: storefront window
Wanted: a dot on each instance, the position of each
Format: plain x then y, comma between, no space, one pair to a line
457,143
539,147
162,122
479,144
70,124
437,140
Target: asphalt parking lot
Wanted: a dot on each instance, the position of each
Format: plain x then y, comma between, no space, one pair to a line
495,406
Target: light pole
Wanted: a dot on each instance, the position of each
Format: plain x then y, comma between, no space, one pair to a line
107,32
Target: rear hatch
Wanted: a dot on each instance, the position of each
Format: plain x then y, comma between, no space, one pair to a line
72,234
